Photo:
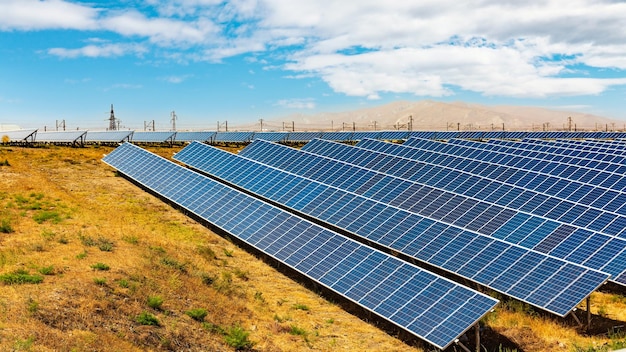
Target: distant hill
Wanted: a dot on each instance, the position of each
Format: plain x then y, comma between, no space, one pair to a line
433,115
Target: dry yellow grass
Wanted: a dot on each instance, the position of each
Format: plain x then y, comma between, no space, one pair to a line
68,211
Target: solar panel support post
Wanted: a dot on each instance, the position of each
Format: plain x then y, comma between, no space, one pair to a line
573,314
477,332
588,313
460,344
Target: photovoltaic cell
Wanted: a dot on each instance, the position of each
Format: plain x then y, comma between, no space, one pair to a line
430,307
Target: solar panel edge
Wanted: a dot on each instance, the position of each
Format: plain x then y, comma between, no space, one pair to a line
492,302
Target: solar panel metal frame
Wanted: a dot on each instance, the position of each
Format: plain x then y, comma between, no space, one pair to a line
184,187
60,136
222,166
20,135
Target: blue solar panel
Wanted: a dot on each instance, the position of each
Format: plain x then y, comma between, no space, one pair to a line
232,137
337,136
493,209
596,207
428,306
190,136
297,137
427,240
597,173
153,136
108,136
271,136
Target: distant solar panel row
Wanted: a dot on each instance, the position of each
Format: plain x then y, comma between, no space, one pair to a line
507,268
300,137
610,177
573,202
430,307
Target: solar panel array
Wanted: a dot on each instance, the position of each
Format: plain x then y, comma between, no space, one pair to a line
504,267
427,305
153,136
60,136
108,136
19,135
475,203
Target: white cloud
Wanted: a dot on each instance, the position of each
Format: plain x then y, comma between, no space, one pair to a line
47,14
300,104
427,48
176,79
106,50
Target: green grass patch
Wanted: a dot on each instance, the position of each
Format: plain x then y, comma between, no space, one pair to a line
100,267
47,215
19,277
155,302
173,263
197,313
5,226
146,318
237,338
300,307
47,270
100,281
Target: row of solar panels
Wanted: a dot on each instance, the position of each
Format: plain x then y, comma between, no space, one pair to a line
84,136
539,221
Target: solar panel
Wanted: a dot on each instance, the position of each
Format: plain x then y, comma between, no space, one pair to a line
426,305
598,174
60,136
393,135
232,137
298,137
337,136
271,136
153,136
357,136
190,136
603,157
597,208
465,253
470,206
19,135
107,136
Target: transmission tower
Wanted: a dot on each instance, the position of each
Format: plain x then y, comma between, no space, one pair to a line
112,124
174,118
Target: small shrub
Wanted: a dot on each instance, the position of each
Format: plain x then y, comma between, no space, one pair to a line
207,279
63,240
46,215
237,338
47,234
197,314
300,307
88,241
330,321
243,275
100,266
5,226
294,330
259,296
155,302
132,239
47,270
33,306
207,253
173,263
210,327
146,318
100,281
105,245
123,283
19,277
228,253
602,311
6,161
82,255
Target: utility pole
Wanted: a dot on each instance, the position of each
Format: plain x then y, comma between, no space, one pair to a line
293,126
410,123
374,124
261,120
353,126
60,124
173,120
569,123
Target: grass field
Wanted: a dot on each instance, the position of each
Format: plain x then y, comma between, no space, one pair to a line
90,262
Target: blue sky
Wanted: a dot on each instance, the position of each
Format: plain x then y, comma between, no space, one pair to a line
245,60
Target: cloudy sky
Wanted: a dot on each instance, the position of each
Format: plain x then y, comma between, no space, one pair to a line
245,60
